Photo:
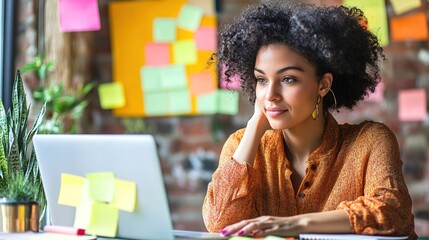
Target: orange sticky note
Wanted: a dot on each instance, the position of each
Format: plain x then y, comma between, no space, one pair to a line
202,83
412,105
409,27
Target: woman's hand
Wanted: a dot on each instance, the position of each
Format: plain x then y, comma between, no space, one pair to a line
264,226
259,119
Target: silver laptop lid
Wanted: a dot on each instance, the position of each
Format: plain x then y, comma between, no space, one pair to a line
129,157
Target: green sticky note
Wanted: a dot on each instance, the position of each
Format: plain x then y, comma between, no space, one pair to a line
111,95
273,238
185,52
401,6
228,102
156,103
150,78
207,103
173,77
104,220
125,196
180,101
375,11
164,30
190,17
101,186
71,190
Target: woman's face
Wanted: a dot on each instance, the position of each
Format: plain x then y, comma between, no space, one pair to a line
287,87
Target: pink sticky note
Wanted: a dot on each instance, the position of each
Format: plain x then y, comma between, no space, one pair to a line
377,95
205,38
79,15
233,85
157,54
412,105
202,83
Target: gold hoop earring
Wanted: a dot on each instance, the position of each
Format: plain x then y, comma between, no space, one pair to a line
335,99
315,113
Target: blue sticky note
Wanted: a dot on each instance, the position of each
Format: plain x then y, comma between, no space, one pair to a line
164,30
190,17
173,77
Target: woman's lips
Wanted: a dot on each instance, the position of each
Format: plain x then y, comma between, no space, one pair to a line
275,112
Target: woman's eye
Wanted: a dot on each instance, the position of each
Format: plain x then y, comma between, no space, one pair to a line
261,80
288,80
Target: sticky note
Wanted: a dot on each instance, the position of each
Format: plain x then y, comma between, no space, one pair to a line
412,105
401,6
202,83
111,95
410,27
173,77
83,214
71,190
208,6
125,196
157,54
184,52
208,103
190,17
101,186
375,11
205,38
180,102
104,220
79,15
164,30
228,102
156,103
377,95
150,78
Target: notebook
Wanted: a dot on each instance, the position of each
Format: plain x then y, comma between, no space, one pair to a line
130,157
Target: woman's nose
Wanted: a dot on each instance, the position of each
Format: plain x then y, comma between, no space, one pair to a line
272,93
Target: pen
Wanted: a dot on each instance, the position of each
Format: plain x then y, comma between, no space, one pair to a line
64,230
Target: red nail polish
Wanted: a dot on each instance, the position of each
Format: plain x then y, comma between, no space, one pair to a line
240,233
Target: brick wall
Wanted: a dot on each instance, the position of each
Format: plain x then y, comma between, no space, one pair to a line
189,146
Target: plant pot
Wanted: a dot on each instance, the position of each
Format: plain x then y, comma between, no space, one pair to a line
19,216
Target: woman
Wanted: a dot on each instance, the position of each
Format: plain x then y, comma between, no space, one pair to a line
294,169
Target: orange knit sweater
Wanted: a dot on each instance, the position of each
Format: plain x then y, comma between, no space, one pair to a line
356,168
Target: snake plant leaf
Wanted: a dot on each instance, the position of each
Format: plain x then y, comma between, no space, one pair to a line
19,101
37,122
3,162
14,163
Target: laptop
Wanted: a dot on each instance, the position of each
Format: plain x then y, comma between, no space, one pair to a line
130,157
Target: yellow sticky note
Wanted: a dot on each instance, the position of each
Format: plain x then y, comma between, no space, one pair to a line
111,95
125,196
101,186
83,214
185,52
375,11
104,220
401,6
71,190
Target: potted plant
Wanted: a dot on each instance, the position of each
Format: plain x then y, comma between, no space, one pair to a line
21,189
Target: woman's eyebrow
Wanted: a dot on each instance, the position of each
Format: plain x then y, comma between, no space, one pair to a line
282,69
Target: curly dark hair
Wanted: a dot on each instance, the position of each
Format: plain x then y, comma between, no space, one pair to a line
333,39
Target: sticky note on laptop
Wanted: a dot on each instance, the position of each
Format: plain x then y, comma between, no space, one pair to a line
125,196
71,190
101,186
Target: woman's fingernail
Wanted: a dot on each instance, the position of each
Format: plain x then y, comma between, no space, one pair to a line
224,232
240,233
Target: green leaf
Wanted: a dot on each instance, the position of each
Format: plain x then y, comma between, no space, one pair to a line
3,161
14,164
87,88
29,67
37,122
42,72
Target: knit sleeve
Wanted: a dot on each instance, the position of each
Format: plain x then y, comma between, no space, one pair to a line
385,208
229,197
